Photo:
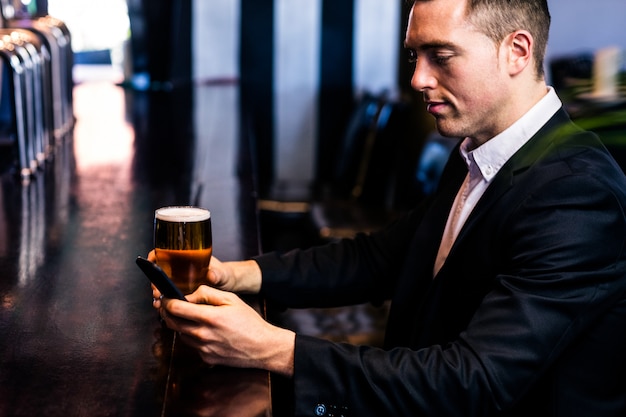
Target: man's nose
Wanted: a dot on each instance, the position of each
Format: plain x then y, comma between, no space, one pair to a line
423,76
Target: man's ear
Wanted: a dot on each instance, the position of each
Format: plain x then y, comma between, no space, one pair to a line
519,49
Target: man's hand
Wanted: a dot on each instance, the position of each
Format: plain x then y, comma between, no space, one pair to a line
227,331
241,276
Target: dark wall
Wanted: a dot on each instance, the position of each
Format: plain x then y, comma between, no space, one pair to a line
257,85
161,39
336,94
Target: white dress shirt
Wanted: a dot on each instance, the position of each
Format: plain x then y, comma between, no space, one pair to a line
485,161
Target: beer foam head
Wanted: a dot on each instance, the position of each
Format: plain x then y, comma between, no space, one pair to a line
182,214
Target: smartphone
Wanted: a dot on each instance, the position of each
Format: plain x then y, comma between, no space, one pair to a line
160,279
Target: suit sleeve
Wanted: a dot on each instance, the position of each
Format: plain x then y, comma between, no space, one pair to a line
348,272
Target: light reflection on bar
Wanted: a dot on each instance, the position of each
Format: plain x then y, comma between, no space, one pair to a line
32,231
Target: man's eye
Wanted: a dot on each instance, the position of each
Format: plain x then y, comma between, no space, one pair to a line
411,56
441,59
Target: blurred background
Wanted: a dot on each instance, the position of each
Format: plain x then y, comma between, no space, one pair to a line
304,61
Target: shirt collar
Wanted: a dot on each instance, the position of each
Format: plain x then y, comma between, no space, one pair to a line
493,154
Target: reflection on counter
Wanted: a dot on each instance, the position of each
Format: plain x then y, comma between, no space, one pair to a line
32,211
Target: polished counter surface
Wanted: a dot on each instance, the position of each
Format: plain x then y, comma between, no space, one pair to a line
78,334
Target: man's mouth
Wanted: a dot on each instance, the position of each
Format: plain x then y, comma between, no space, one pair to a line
435,107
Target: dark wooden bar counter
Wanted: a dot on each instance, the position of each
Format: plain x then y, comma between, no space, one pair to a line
78,334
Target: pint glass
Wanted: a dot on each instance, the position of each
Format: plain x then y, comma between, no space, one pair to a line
183,244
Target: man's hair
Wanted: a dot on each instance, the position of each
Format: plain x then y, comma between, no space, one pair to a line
498,18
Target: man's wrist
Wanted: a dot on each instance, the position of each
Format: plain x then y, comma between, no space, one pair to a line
281,359
248,277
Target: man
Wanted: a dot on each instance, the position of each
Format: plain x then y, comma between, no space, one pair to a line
508,287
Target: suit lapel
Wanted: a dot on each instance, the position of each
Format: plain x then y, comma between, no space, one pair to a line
559,125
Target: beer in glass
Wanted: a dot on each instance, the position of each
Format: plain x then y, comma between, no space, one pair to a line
183,244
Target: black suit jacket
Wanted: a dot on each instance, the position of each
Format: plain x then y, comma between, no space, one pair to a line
527,317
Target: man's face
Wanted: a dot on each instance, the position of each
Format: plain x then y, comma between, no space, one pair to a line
461,72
